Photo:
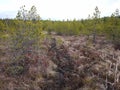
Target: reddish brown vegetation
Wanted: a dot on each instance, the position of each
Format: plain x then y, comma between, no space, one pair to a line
73,65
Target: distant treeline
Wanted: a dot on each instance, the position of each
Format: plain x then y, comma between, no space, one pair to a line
108,26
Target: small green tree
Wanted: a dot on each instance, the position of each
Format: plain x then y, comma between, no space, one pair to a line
96,18
24,14
88,27
26,39
113,28
32,14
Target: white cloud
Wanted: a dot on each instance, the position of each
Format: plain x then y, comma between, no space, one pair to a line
62,9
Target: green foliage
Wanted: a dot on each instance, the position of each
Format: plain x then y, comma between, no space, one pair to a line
112,27
63,27
15,70
25,39
2,26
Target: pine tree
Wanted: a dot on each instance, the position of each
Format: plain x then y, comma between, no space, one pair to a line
96,17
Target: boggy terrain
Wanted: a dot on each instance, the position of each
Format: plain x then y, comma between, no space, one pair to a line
62,63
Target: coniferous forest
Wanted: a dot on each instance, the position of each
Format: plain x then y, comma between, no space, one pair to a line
37,54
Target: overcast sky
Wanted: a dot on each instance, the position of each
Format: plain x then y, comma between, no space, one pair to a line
59,9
